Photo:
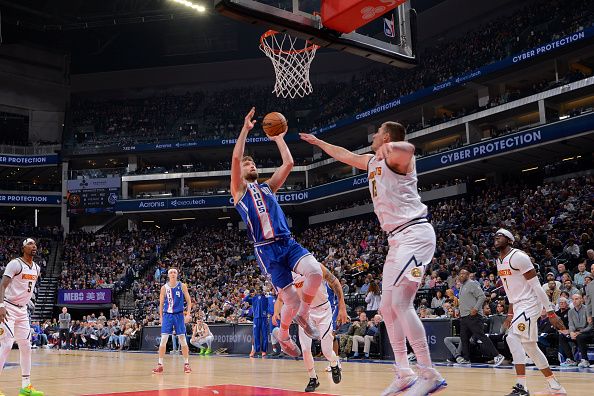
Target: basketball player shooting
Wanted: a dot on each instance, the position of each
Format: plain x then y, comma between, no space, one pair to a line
321,315
526,300
16,291
393,186
276,251
171,312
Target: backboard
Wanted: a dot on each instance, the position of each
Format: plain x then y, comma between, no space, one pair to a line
388,36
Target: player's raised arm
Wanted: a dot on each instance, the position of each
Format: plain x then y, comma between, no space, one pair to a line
280,175
341,154
237,182
334,284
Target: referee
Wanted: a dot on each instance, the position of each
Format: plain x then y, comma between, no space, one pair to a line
471,299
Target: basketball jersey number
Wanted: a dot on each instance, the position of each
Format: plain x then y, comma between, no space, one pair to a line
373,189
30,286
177,293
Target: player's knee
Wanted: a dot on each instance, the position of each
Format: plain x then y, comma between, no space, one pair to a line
290,298
164,339
539,359
309,267
182,340
23,343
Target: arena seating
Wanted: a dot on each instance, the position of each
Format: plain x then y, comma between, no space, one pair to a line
198,116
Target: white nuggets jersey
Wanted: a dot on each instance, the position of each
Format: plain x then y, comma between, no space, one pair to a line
20,289
321,296
396,200
511,270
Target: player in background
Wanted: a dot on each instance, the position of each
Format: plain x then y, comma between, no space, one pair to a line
173,317
322,316
276,251
526,300
16,290
201,335
392,179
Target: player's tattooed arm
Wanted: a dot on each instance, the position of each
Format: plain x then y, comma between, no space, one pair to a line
336,287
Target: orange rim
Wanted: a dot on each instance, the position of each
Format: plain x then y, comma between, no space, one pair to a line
270,33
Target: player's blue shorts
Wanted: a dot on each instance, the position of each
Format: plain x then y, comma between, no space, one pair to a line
334,315
173,321
277,259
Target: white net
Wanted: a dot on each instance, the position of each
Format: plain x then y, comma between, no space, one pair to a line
291,58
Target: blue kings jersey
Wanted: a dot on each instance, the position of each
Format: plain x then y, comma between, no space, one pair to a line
174,299
262,214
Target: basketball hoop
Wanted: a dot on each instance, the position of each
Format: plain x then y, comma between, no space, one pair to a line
291,63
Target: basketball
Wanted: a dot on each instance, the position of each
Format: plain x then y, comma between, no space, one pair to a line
274,124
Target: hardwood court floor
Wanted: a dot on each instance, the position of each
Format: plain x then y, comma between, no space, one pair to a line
66,373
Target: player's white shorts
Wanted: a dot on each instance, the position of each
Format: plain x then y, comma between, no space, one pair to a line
525,321
411,250
17,323
322,319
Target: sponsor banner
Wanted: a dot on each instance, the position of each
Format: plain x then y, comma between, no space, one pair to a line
514,141
30,199
84,296
28,160
91,184
435,329
340,186
525,56
236,339
491,147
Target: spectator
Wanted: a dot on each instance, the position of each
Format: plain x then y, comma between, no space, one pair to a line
580,332
471,322
114,313
371,336
580,276
373,298
437,303
553,292
569,288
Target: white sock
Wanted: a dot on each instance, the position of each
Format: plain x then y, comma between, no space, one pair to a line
186,360
553,383
26,381
161,360
312,373
521,380
334,363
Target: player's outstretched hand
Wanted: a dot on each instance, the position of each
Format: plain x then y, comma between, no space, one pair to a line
280,136
556,322
249,121
309,138
3,314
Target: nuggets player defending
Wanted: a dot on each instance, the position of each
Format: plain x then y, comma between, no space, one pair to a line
277,252
171,312
526,300
323,317
393,186
16,290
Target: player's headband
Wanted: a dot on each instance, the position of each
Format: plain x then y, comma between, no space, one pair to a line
172,270
505,233
28,241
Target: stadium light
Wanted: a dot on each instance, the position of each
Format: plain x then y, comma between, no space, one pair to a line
184,218
224,217
197,7
148,221
530,169
567,159
480,180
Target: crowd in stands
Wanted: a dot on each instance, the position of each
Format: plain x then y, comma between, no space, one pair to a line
216,115
109,260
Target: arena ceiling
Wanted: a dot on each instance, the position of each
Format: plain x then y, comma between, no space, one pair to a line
126,34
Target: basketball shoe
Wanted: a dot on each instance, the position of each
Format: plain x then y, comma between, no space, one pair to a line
288,346
158,369
404,379
550,391
312,385
428,383
29,391
187,368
